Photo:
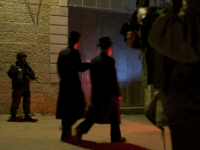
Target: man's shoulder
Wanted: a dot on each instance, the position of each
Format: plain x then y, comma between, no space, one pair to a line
111,58
96,59
102,57
14,65
65,52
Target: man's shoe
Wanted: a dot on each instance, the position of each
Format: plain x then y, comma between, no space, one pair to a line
28,118
122,139
66,135
15,119
63,136
78,135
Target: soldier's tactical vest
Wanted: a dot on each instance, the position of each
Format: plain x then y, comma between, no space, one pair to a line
20,75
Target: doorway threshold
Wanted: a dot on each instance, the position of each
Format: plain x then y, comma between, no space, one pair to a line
132,110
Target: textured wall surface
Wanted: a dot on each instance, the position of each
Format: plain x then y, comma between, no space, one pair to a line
19,33
41,37
58,37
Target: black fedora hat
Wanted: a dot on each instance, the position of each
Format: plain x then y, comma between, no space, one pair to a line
104,42
74,35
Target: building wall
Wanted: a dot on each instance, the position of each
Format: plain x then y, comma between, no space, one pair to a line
41,40
40,30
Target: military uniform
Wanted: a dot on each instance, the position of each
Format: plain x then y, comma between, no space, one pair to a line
20,86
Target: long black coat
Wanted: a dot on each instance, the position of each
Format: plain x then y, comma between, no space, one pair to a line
71,99
105,90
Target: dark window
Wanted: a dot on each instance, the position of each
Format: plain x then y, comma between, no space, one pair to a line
75,2
103,3
89,3
116,4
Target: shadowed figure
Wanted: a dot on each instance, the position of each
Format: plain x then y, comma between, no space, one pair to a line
172,65
106,95
71,103
106,146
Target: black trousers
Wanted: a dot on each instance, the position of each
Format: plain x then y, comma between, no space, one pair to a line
17,94
67,123
90,120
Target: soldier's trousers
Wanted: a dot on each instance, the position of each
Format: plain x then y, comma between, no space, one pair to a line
17,94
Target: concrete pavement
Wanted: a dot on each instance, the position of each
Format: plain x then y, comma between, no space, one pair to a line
45,135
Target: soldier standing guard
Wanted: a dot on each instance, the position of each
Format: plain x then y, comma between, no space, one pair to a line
21,78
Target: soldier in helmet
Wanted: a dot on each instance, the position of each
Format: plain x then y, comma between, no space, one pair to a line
20,85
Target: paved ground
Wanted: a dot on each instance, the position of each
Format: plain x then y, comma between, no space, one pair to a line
45,135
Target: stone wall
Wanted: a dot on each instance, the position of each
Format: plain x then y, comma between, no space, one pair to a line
40,31
42,42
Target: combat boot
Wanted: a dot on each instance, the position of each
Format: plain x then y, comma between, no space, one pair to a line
13,118
28,118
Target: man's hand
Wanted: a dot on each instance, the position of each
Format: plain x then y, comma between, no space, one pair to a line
88,61
130,38
30,80
120,99
20,70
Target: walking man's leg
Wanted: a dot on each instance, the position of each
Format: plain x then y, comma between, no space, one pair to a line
84,126
115,128
67,127
115,132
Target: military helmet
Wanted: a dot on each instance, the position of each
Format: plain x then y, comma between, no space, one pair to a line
20,55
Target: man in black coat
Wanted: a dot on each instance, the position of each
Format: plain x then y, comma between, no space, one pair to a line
105,94
71,103
20,75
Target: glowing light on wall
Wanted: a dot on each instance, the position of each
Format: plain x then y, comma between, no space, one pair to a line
129,70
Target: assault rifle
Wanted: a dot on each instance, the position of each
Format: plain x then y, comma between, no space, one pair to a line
31,75
26,70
